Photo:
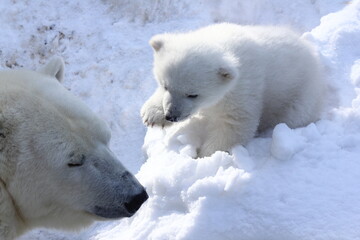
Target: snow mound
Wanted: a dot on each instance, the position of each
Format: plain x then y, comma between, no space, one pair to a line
285,142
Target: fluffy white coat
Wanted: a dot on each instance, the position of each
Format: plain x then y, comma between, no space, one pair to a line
234,80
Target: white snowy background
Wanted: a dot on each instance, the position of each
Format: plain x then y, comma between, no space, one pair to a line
301,184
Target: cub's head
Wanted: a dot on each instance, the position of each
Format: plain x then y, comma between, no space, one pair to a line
193,74
55,160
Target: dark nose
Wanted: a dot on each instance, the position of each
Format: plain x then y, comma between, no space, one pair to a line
135,202
171,118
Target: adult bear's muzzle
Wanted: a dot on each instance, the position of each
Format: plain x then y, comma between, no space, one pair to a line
128,209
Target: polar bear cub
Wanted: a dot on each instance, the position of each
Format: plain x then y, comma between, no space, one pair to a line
56,169
235,80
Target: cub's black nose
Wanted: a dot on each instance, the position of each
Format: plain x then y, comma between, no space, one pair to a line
171,118
135,202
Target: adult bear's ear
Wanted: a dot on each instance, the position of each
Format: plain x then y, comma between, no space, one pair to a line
54,68
156,42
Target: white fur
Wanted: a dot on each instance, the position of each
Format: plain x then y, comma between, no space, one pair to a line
54,68
43,129
247,78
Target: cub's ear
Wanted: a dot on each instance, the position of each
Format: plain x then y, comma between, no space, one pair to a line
228,71
54,68
156,42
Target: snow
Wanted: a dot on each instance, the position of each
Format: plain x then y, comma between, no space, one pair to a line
285,142
285,184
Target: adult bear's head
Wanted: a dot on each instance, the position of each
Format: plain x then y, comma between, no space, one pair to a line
55,165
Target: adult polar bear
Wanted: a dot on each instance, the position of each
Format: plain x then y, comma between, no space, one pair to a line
56,169
236,80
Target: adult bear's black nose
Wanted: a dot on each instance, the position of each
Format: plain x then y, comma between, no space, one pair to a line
135,202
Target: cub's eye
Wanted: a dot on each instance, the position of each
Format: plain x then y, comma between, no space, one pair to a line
76,161
165,88
192,96
74,164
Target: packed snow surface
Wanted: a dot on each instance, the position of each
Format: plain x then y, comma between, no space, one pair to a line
300,184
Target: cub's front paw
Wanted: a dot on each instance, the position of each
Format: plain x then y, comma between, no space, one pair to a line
153,116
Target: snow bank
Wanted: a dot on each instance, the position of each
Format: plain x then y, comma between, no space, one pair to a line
286,184
295,184
304,15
